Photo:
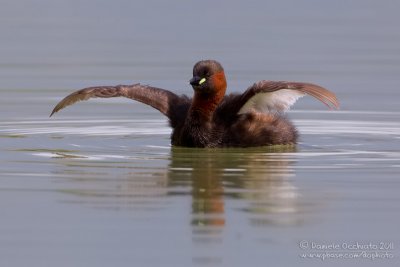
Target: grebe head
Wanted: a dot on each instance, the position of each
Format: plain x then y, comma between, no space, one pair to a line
208,78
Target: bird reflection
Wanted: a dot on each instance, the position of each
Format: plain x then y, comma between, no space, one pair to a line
252,181
258,177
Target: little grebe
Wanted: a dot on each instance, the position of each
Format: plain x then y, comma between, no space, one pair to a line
212,119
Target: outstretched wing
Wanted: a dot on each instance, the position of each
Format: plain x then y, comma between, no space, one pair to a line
158,98
267,96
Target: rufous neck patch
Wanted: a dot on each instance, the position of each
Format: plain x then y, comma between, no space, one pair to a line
206,104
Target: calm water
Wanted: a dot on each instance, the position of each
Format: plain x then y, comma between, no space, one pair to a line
99,184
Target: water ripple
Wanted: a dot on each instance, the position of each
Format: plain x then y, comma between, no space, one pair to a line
101,127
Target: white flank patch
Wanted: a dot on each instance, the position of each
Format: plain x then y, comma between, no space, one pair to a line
280,100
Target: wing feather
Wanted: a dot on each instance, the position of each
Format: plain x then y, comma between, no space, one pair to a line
269,96
158,98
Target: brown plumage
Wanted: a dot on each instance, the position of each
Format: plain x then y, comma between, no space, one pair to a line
211,119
